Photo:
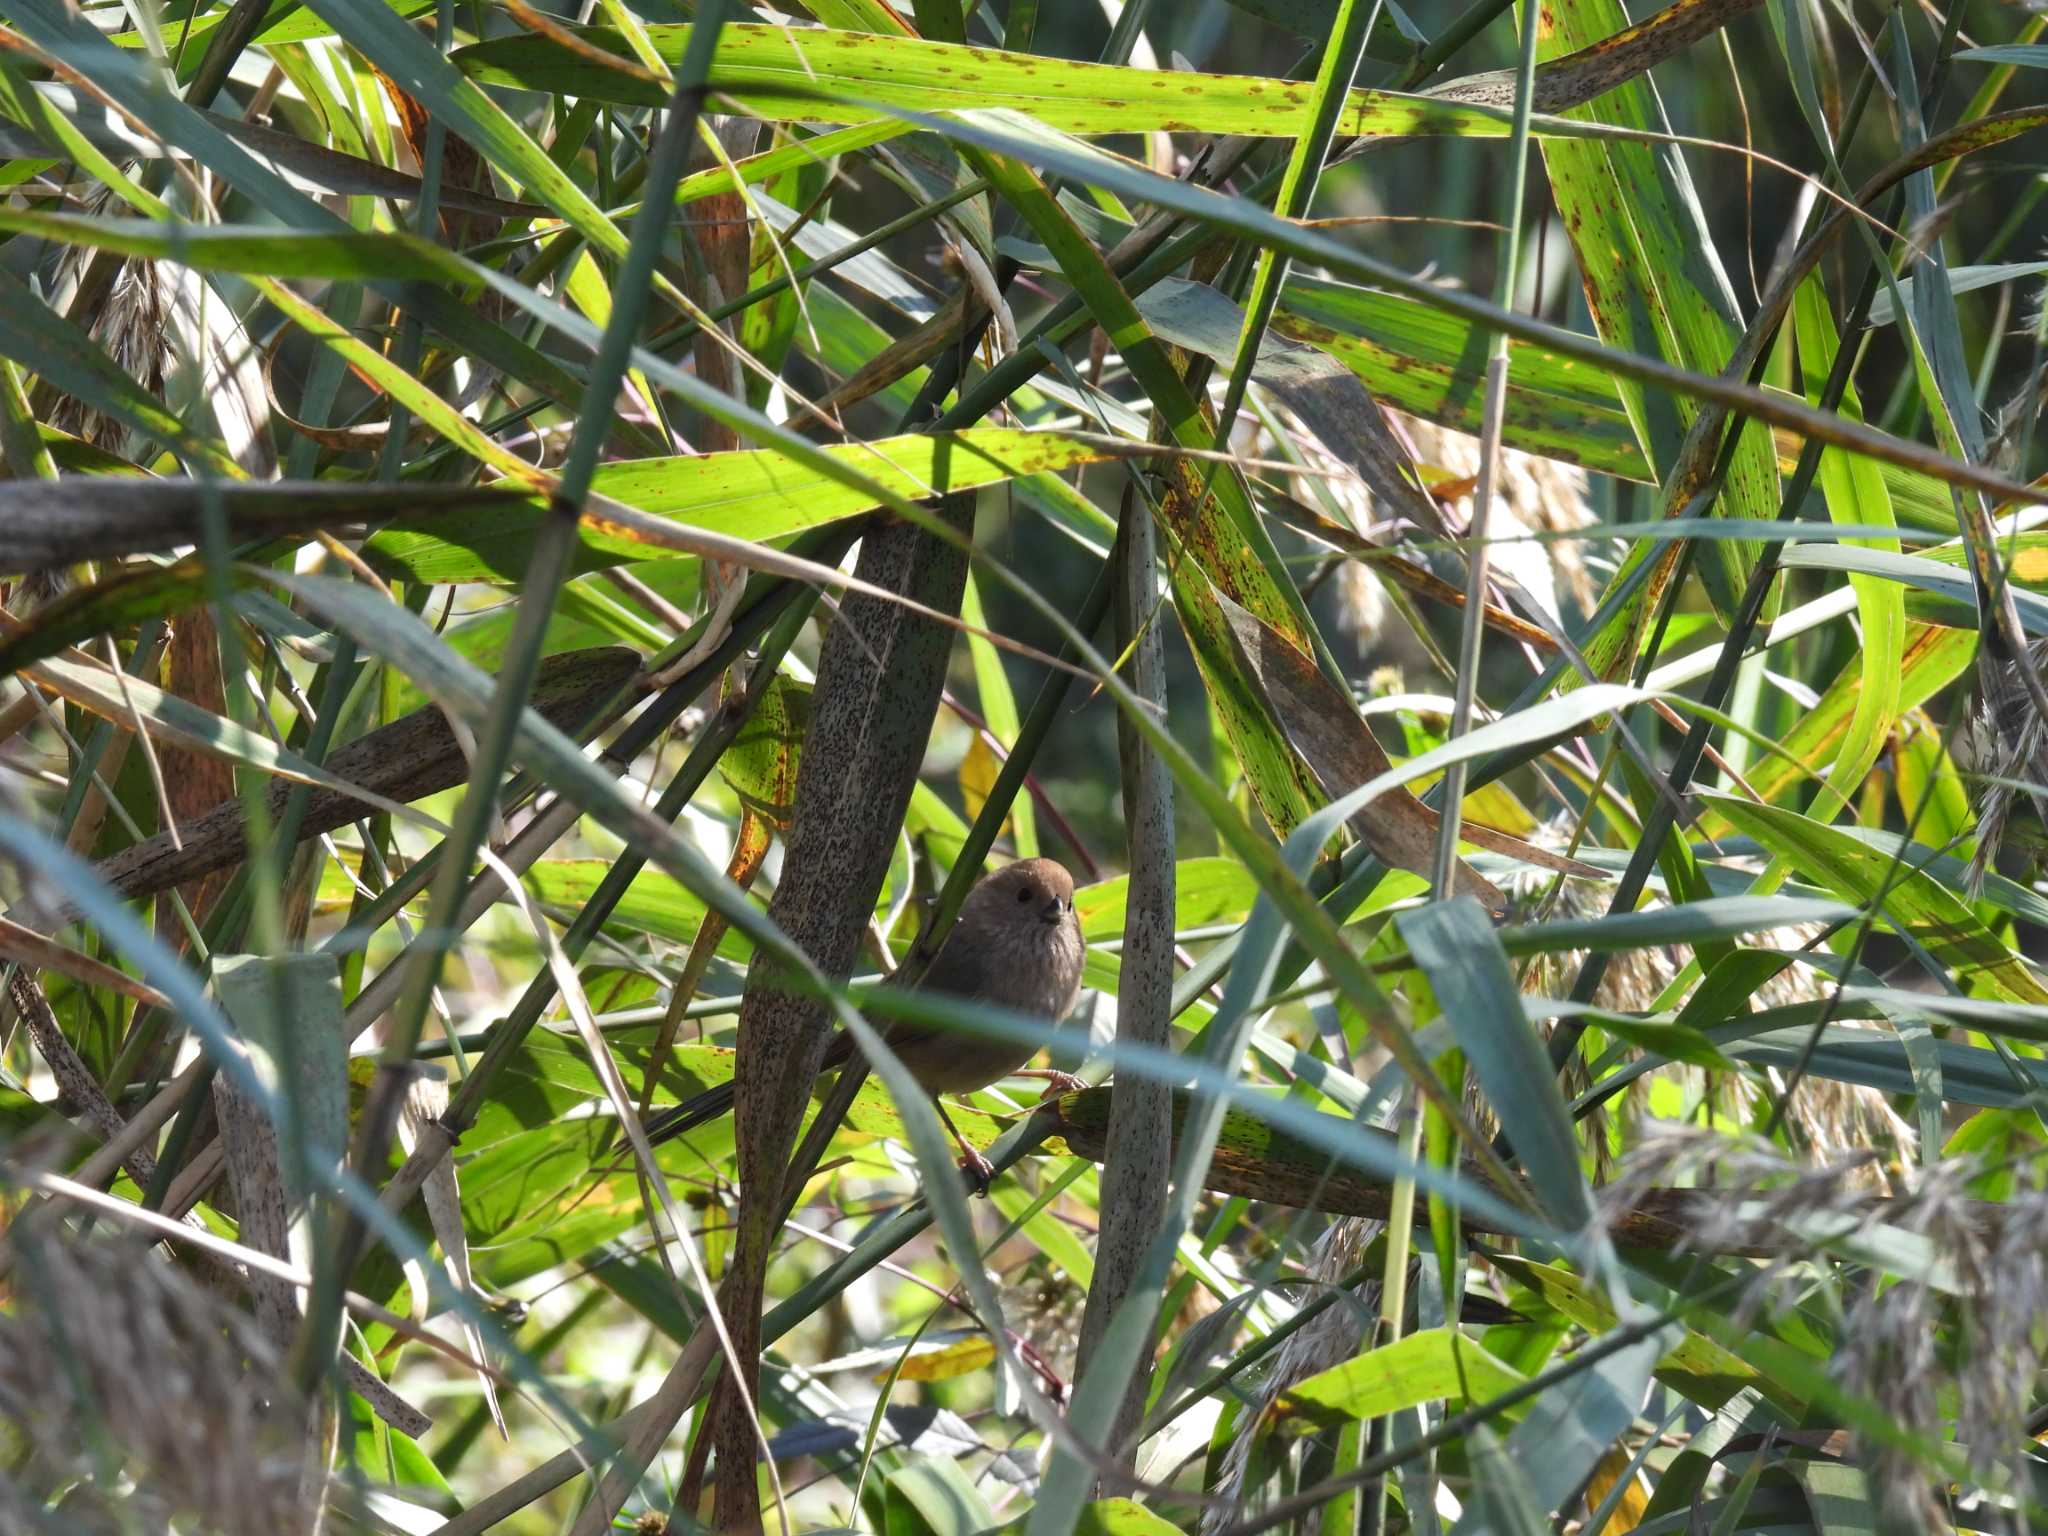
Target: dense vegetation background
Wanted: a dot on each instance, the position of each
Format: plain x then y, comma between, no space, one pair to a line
524,526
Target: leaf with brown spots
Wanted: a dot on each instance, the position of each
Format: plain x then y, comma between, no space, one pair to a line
781,74
1577,77
761,764
1652,286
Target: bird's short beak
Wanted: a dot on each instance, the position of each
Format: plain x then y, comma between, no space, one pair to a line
1055,911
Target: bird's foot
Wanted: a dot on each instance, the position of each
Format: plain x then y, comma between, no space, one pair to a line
979,1170
1056,1082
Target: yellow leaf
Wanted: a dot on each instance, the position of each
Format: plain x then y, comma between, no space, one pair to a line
1495,806
943,1364
1635,1499
978,770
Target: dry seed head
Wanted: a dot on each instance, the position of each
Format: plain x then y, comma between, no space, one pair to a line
1534,495
120,1372
1990,1323
1330,1337
2008,744
1048,1316
1759,1194
1839,1120
1383,682
133,325
1958,1360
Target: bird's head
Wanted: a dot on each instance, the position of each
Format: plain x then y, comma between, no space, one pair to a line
1039,889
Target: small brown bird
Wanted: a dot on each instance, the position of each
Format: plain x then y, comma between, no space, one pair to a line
1017,944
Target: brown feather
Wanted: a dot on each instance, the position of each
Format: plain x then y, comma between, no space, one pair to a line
1017,944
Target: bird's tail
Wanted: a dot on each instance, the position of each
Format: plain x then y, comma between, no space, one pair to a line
688,1115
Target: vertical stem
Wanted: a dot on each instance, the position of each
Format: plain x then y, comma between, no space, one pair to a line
880,673
1474,628
1140,1135
1400,1230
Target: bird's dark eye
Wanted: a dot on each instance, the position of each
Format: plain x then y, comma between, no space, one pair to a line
1023,894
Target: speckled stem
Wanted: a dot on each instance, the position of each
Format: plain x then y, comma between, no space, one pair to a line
878,689
1139,1141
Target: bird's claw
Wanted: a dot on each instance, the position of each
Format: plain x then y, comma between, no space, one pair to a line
979,1170
1058,1084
